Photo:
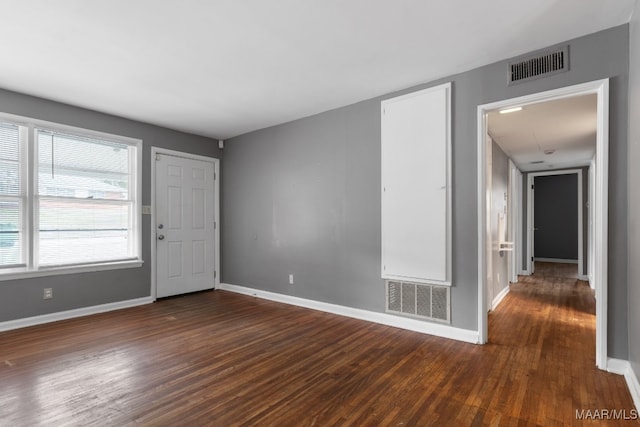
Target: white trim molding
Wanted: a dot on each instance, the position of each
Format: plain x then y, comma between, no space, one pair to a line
444,331
71,314
623,367
617,366
634,386
498,299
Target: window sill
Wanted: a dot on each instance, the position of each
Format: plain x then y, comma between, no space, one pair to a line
15,275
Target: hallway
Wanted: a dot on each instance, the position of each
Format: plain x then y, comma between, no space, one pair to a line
548,323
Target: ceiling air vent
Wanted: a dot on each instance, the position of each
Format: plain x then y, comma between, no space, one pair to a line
541,64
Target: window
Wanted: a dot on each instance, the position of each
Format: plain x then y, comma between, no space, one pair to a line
69,199
12,193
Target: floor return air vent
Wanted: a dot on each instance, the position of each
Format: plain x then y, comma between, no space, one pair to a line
419,300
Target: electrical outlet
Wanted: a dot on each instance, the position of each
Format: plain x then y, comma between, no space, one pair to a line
47,293
291,279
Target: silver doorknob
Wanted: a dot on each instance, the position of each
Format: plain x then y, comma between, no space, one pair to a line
161,237
160,226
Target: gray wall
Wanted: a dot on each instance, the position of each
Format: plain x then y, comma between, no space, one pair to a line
499,187
304,197
556,217
23,298
634,195
585,220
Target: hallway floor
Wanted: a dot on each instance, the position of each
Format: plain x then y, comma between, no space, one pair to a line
555,269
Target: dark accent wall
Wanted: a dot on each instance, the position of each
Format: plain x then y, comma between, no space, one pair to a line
585,218
555,213
23,298
303,197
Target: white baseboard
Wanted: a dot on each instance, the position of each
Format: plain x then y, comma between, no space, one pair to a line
617,366
498,299
623,367
70,314
634,386
439,330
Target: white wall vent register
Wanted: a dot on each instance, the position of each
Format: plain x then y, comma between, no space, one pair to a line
419,300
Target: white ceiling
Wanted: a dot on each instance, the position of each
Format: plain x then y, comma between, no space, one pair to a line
565,126
221,68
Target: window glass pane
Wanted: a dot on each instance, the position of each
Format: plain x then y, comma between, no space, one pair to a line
10,202
86,168
9,159
77,232
10,235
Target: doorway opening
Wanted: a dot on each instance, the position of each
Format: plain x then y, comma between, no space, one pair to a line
597,270
556,232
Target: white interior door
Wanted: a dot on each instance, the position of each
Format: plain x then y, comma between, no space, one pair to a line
184,204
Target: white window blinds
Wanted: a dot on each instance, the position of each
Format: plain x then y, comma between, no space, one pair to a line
85,205
11,197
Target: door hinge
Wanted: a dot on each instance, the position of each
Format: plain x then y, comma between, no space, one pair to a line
215,274
531,258
215,225
157,156
215,176
532,186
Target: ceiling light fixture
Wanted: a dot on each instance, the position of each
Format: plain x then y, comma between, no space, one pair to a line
510,110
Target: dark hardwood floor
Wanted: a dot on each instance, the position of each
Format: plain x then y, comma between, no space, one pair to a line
555,269
222,359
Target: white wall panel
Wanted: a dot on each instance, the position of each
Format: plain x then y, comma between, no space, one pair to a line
416,231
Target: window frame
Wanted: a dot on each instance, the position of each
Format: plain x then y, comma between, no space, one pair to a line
29,193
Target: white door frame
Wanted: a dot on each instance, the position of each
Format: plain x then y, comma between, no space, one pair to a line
592,228
216,212
530,217
487,224
601,89
515,220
